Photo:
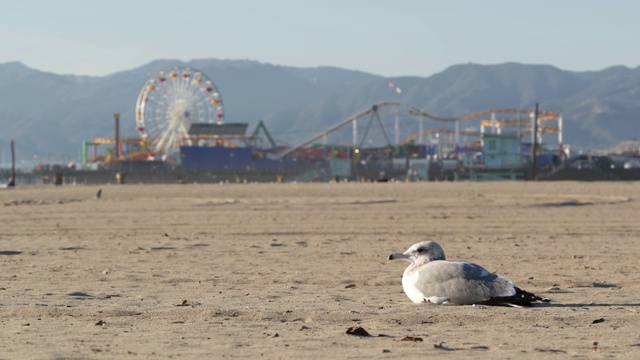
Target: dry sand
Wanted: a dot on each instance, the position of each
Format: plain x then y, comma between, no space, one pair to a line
283,270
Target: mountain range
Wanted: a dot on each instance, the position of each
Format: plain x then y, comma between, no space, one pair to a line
49,115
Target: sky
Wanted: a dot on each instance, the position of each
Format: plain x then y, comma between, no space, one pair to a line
389,38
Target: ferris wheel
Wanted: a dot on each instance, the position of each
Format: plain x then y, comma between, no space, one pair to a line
170,102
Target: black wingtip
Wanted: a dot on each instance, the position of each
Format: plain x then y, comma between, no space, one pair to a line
521,298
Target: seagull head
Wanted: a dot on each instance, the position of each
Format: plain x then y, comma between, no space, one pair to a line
421,252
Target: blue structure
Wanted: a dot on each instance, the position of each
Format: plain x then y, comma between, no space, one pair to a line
501,151
196,158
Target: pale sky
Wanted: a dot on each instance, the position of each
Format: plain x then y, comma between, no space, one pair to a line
389,38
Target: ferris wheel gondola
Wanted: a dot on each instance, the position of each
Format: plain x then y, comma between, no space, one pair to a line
170,102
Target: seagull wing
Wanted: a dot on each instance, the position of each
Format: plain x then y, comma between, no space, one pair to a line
461,282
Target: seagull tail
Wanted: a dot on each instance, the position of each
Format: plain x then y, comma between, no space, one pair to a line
520,299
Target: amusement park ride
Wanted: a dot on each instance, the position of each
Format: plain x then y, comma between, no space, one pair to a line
167,105
523,124
180,120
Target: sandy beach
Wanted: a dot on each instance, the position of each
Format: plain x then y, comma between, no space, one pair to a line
283,270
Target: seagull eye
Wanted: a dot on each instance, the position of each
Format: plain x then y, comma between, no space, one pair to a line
421,250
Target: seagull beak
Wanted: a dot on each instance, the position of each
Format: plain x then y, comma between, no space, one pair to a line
396,256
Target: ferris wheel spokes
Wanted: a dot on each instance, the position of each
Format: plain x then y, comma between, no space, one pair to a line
170,102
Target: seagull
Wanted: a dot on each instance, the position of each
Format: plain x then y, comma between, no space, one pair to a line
432,279
98,194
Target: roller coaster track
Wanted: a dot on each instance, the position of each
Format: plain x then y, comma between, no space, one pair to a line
543,115
525,131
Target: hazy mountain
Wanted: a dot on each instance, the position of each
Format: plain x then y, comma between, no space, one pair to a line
49,115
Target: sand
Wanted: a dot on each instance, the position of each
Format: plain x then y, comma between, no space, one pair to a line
283,270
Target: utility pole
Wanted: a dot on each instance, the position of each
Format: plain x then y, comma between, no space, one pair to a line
534,144
117,118
12,182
